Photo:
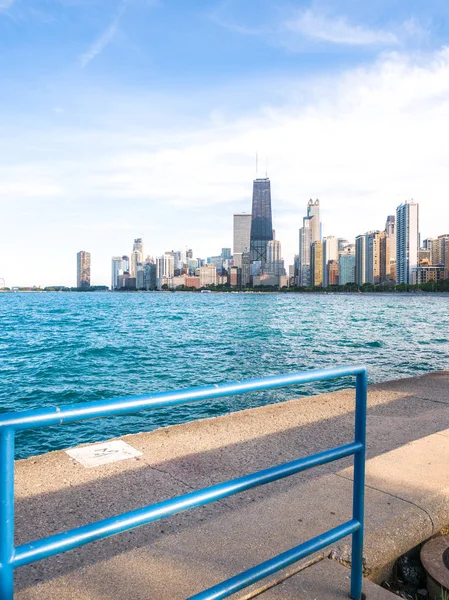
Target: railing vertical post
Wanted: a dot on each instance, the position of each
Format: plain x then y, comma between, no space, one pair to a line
359,486
6,514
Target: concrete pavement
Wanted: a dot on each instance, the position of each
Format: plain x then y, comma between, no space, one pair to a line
406,496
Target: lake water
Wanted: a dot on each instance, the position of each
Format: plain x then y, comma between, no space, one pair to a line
64,348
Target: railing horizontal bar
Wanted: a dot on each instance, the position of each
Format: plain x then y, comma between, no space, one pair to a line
243,580
44,417
73,538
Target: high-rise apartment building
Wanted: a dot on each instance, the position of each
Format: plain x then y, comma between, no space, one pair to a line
330,252
261,221
390,228
149,276
360,259
208,275
117,270
313,212
125,264
136,256
136,259
165,266
438,250
273,251
346,263
377,257
235,279
407,241
346,269
333,273
385,257
372,256
246,268
242,232
275,263
305,243
83,269
316,264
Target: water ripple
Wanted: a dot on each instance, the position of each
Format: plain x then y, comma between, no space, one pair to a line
68,348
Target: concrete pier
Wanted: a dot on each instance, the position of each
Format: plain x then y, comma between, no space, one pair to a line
407,498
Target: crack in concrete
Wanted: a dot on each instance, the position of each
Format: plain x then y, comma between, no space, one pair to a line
187,485
371,487
174,477
414,396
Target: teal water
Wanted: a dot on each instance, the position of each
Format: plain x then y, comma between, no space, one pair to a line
66,348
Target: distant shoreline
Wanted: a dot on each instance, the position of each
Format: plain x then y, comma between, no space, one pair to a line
255,292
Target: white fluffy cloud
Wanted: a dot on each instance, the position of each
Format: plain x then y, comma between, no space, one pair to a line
362,142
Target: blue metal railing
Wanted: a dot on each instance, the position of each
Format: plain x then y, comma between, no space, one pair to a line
12,556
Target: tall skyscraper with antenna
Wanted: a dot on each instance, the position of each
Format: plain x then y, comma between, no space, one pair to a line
261,220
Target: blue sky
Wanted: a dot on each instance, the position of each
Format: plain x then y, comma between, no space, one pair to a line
130,118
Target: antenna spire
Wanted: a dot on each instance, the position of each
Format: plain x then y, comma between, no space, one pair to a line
257,164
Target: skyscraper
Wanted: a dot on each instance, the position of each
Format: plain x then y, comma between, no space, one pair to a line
407,241
384,257
136,256
346,264
246,268
316,264
390,228
261,221
330,253
165,266
360,259
305,242
333,273
138,246
136,259
242,232
372,257
377,261
346,269
275,263
125,264
83,269
313,212
117,269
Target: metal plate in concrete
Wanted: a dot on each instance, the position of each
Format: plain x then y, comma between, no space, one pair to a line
103,454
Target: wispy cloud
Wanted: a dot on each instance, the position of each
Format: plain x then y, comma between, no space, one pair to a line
338,30
5,4
236,27
221,16
105,38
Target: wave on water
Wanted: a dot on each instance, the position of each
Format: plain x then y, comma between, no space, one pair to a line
69,348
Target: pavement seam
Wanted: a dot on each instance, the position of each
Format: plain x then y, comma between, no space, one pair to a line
371,487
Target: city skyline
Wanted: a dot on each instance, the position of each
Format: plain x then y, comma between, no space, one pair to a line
109,133
329,249
390,257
